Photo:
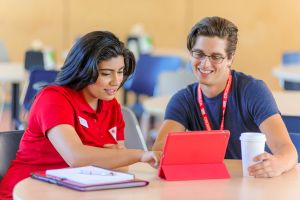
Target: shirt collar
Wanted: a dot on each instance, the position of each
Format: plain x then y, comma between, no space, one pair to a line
85,107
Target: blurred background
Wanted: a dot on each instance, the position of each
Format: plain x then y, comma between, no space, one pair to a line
267,30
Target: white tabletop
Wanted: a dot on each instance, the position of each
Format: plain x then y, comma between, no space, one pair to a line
287,101
285,186
288,73
11,72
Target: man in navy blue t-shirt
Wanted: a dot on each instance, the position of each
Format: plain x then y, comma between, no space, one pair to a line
228,100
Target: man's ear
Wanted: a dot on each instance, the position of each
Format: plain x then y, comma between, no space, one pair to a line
230,61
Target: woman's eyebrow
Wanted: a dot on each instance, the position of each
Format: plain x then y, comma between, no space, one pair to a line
109,69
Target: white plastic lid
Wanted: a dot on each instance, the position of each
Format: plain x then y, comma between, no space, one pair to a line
253,136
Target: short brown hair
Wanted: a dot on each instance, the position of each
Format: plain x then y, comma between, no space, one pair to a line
215,26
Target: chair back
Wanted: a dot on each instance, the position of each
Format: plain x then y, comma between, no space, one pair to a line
293,125
34,60
147,72
295,137
9,144
288,59
169,82
133,135
37,79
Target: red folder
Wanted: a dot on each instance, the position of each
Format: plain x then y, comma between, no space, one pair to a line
194,155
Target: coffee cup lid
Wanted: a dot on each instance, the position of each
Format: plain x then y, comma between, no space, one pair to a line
252,136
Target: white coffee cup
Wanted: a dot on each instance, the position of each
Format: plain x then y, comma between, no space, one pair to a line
252,144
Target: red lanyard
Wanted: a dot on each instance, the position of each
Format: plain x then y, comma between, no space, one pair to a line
224,104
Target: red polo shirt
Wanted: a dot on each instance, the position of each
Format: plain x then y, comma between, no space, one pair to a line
56,105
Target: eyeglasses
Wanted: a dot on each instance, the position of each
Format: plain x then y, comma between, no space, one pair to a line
215,59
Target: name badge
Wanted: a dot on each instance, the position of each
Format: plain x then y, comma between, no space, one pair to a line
113,132
83,122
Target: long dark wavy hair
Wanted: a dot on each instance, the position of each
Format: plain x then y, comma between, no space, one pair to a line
81,65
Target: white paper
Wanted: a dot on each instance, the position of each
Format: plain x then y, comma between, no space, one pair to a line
90,175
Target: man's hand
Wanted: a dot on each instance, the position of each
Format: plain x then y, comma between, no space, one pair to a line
268,166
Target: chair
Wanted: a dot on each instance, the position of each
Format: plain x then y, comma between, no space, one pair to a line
34,60
146,76
37,79
288,59
9,144
293,125
295,137
133,135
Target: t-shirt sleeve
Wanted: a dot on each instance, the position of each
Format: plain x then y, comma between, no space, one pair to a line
177,109
260,101
52,108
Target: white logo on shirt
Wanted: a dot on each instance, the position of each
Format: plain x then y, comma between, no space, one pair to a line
83,122
113,132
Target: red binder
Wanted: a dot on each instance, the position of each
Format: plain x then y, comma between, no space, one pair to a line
194,155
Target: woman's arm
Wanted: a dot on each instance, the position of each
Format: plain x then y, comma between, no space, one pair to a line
68,144
284,155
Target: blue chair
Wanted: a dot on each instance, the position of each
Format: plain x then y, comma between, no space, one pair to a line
145,78
295,137
37,79
290,58
293,125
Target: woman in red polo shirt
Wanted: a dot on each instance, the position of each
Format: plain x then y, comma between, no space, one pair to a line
77,121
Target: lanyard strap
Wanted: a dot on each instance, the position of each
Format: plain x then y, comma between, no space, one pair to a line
224,104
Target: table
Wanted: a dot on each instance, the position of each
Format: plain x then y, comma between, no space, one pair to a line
286,101
288,73
13,73
285,186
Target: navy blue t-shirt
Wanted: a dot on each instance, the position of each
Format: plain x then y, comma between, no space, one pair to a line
250,102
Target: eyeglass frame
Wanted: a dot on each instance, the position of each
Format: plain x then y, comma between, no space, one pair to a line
206,56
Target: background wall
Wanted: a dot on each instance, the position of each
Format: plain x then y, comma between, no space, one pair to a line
266,28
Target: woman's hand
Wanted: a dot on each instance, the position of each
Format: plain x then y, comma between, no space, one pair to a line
152,158
268,166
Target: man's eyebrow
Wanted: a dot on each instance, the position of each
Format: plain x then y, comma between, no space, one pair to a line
197,50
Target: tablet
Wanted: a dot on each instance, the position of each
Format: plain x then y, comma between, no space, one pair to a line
194,155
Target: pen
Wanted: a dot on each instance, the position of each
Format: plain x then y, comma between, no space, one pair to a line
90,172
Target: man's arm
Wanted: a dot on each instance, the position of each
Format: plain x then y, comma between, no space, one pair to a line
284,155
167,127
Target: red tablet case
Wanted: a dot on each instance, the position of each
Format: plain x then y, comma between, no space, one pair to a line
194,155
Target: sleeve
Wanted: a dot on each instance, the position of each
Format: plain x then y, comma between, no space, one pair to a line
177,109
52,108
260,101
120,123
